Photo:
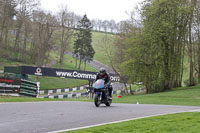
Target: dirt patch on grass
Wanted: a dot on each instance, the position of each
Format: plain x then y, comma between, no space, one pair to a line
197,97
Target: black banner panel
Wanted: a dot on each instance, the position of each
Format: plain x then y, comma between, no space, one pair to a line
62,73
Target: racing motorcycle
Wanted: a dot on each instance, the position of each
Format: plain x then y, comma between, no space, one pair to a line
101,93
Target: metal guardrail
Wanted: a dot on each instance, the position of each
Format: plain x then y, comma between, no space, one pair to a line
9,90
19,86
9,85
29,88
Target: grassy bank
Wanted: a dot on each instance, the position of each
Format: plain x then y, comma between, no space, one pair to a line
175,123
4,99
102,42
178,96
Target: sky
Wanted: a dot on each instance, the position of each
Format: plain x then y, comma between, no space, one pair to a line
95,9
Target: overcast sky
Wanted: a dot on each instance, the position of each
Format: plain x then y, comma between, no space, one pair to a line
101,9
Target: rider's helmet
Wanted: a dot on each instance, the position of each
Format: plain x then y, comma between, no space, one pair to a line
102,71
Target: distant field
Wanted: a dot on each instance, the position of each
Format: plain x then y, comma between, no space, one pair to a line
102,42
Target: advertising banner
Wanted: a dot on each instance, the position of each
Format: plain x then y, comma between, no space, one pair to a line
63,73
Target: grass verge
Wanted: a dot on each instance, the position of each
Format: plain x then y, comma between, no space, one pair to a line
179,96
4,99
173,123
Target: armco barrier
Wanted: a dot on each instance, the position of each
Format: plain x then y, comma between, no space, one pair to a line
85,94
29,88
73,95
19,86
42,92
9,85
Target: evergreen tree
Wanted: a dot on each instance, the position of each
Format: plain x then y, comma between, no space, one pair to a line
82,45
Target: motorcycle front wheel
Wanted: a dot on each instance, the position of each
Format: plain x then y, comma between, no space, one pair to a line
97,101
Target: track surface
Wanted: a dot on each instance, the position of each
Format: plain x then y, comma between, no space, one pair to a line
53,116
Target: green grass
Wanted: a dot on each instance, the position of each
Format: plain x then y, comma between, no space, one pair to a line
7,62
67,64
135,87
4,99
100,44
59,83
178,96
174,123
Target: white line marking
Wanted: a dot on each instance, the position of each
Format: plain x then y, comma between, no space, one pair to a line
196,110
78,128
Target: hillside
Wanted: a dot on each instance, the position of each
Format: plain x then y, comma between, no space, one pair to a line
49,82
101,43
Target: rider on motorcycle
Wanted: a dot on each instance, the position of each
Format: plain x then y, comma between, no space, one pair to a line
103,75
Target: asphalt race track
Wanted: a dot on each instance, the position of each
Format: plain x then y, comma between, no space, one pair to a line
44,117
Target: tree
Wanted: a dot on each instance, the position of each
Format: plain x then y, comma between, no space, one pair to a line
42,40
168,27
7,12
23,16
112,24
82,45
105,25
66,20
196,25
154,52
94,25
99,24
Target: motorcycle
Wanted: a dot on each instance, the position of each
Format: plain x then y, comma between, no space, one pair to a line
101,93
